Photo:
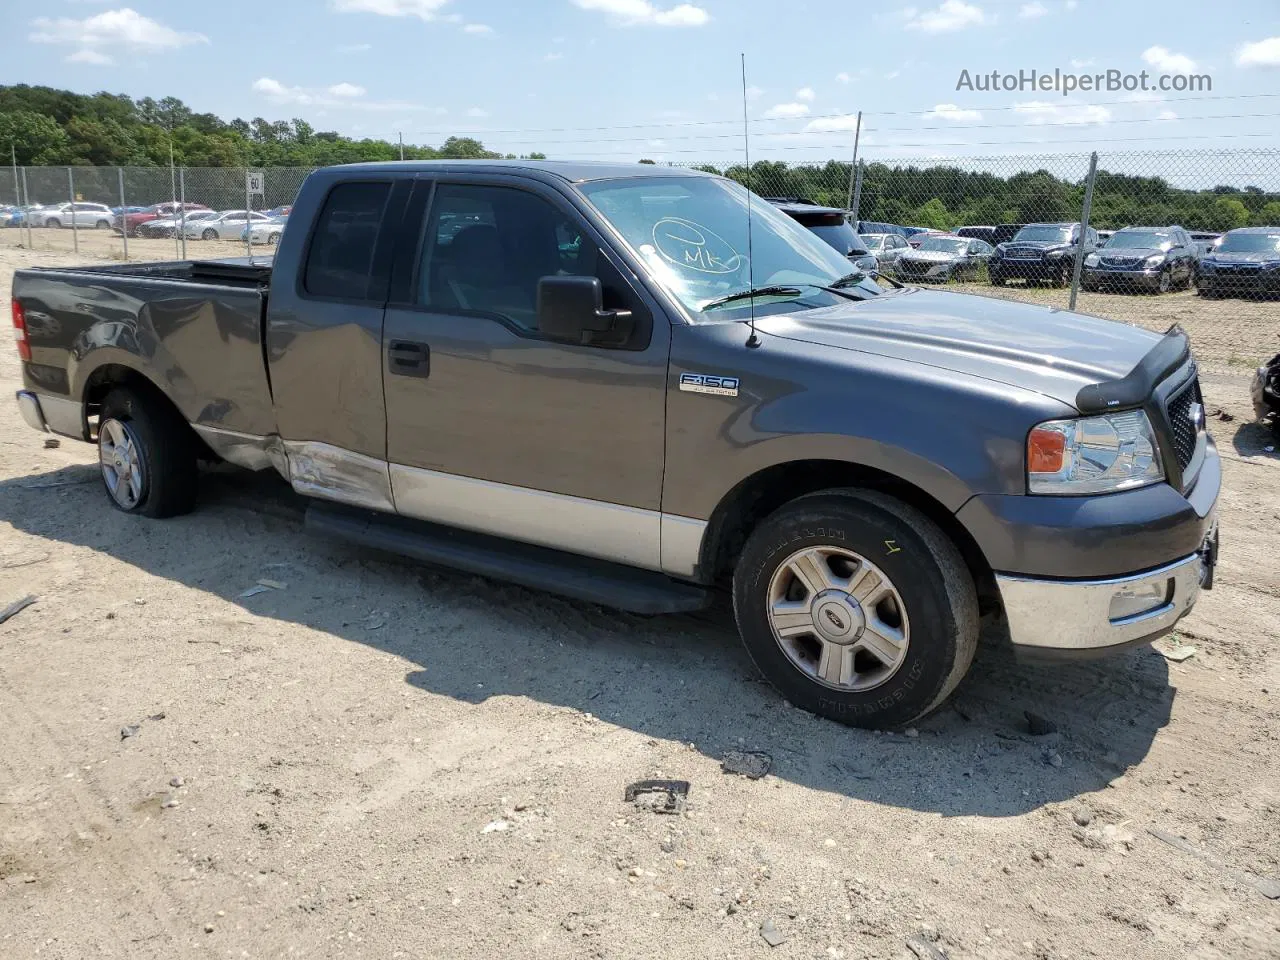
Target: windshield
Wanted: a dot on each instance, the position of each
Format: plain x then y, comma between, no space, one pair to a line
874,243
1045,233
1250,243
1155,239
945,244
692,234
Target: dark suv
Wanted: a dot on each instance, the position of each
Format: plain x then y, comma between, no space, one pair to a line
1155,259
830,225
1040,251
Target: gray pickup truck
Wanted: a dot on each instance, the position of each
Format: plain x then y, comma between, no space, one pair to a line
637,386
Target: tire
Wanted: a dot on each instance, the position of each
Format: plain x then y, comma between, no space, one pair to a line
209,234
1165,282
931,608
273,239
1062,278
102,225
996,279
52,224
140,435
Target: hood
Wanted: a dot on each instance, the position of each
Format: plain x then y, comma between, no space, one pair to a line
931,256
1242,257
1129,253
1042,349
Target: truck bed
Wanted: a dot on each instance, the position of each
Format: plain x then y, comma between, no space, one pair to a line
192,327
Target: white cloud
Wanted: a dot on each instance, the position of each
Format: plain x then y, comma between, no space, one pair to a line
116,31
1164,59
893,75
843,124
806,94
1072,4
553,56
787,111
843,78
630,13
949,111
1038,112
1263,53
1033,10
753,93
477,28
90,56
355,48
950,16
422,9
1167,115
339,95
478,112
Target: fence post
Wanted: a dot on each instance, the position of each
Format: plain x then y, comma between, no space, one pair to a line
856,201
71,196
1084,227
124,214
26,202
857,134
182,210
248,222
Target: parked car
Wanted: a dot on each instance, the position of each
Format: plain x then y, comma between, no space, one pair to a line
1205,242
225,225
830,225
874,226
941,258
267,232
280,211
1155,259
1104,237
1246,262
1041,252
130,222
165,227
79,214
11,216
1001,233
592,391
916,237
886,248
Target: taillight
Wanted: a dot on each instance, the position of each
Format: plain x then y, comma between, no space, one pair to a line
20,330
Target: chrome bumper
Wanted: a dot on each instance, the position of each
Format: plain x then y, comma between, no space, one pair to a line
29,407
1077,615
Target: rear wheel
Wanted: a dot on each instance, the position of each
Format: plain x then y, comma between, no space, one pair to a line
53,224
103,225
147,455
209,234
856,607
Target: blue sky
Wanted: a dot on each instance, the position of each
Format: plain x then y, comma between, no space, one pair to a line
663,75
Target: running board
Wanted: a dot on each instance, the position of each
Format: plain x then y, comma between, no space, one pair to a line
539,568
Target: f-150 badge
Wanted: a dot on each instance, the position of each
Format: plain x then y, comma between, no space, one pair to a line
705,383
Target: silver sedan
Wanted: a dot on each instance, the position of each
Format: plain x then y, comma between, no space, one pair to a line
226,225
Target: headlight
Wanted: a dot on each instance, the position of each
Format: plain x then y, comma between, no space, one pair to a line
1154,260
1091,260
1115,451
1057,253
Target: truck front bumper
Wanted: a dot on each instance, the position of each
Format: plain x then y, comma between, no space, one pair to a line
1066,617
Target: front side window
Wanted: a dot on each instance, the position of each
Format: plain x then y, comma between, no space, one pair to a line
692,233
486,248
340,259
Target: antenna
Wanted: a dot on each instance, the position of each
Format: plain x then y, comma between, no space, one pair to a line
753,340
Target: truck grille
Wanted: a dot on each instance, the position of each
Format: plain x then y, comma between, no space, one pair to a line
915,267
1186,431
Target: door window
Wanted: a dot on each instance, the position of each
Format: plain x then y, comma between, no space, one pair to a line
486,248
340,259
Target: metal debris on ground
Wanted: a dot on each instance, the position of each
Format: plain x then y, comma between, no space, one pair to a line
1266,886
129,731
923,949
752,764
273,584
16,607
254,591
772,935
676,792
52,443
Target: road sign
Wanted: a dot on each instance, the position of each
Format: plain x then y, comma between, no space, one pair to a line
253,183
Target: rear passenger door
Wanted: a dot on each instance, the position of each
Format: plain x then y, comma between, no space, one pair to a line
493,427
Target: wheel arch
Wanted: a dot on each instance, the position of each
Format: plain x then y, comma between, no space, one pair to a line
112,375
769,489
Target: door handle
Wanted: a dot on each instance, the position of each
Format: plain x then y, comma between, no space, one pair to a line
408,359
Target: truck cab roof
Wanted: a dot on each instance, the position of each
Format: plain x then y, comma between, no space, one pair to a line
574,171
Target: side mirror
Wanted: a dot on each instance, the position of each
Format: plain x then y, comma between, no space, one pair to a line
571,310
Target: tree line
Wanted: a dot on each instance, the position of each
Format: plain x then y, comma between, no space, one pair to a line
44,126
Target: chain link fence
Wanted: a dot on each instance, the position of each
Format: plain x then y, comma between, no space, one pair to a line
1197,230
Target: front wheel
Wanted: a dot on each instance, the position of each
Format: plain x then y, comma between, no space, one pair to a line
209,234
856,607
147,455
53,224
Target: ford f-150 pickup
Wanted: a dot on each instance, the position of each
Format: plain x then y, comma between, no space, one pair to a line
636,386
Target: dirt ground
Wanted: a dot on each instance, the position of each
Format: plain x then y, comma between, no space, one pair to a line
381,760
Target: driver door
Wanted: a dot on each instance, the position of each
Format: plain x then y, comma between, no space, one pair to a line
491,426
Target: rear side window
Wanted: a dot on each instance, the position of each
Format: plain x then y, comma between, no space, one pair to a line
340,261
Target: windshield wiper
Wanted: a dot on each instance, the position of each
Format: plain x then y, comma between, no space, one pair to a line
775,291
850,280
